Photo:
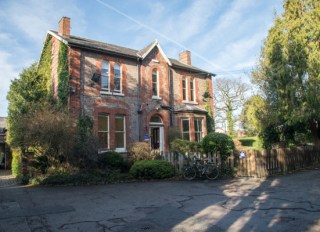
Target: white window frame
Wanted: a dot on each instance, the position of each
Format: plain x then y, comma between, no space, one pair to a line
121,149
192,91
108,76
157,83
114,78
201,129
185,119
108,131
184,79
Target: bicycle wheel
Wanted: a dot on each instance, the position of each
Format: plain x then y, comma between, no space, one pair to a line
212,172
189,173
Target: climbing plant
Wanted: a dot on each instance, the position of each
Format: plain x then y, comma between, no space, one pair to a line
209,116
44,66
63,75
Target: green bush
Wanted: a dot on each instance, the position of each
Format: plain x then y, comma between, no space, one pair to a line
180,145
152,169
111,160
40,163
218,143
16,164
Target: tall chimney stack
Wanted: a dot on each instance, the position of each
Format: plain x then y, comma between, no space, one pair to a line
185,57
64,26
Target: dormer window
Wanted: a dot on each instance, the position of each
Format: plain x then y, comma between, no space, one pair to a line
117,79
105,83
155,83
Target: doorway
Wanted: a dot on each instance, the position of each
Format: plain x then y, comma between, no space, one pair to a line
156,134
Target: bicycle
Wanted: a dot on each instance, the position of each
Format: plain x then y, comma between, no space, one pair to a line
210,170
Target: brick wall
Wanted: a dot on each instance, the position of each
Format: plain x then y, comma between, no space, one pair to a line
95,101
54,65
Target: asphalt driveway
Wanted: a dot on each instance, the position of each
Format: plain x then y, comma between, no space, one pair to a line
286,203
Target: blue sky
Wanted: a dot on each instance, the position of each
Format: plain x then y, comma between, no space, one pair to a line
224,36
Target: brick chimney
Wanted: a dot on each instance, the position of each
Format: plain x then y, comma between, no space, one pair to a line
64,26
185,57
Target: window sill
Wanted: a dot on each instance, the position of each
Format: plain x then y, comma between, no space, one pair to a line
102,150
121,150
118,94
104,92
191,103
156,98
154,60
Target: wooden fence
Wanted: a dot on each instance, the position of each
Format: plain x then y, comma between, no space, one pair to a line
259,163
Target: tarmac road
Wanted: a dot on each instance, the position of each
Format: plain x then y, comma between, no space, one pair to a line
285,203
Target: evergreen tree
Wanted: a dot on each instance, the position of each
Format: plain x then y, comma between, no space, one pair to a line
289,72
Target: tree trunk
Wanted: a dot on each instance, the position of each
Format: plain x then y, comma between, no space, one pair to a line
315,130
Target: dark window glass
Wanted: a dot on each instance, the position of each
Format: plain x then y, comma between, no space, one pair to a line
105,75
120,132
155,83
184,89
117,78
103,129
185,129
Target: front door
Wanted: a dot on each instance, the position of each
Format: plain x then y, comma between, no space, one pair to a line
155,138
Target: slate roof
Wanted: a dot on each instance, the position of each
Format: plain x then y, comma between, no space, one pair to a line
190,109
89,44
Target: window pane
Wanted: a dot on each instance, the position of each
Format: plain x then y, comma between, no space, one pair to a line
191,91
154,89
120,131
156,119
184,89
196,125
117,85
105,75
119,138
104,139
154,83
119,124
186,136
185,125
103,122
198,129
117,78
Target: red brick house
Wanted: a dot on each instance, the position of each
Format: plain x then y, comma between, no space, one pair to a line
132,95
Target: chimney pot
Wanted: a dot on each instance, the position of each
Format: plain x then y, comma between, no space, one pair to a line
64,26
185,57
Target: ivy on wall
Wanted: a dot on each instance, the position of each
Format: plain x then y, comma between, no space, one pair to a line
44,66
209,116
63,75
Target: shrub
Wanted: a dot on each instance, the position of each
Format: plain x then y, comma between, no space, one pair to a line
40,163
180,145
152,169
218,143
111,160
87,145
16,163
140,151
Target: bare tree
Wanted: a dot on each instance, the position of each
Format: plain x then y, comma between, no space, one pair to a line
229,96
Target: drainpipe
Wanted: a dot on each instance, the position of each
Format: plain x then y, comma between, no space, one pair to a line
139,111
171,96
81,86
